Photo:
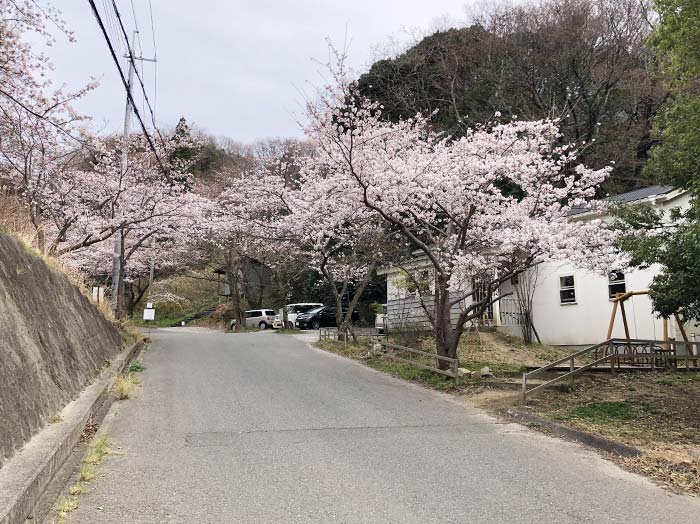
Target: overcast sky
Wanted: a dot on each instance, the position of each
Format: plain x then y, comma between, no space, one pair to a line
234,67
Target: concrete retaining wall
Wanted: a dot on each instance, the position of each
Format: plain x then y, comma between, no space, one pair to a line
53,343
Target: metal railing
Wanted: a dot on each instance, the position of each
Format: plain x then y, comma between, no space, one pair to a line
328,333
393,352
634,353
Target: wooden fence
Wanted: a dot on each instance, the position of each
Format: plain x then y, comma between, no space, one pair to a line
421,359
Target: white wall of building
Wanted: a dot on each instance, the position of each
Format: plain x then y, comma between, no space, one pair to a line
586,321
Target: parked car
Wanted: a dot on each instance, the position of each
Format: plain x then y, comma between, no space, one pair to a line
292,311
380,320
320,317
260,318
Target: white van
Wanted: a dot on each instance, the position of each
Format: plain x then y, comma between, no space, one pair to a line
292,311
260,318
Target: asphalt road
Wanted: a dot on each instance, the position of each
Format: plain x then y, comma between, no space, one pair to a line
261,428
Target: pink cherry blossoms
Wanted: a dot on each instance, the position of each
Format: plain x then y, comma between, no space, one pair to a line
478,209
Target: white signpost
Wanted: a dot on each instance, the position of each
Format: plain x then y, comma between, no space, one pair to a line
98,294
149,313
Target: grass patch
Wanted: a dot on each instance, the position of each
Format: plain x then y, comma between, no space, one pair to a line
136,367
497,368
100,447
164,321
64,506
76,489
605,412
187,296
657,412
124,387
502,353
130,335
396,369
286,331
242,329
413,374
87,473
67,505
352,350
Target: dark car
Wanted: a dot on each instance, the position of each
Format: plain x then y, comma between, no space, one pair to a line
320,317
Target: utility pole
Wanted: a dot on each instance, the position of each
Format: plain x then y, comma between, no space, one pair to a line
117,255
153,264
118,238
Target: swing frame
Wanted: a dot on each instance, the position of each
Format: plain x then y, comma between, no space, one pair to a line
620,299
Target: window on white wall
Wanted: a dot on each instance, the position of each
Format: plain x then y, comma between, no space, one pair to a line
616,283
567,290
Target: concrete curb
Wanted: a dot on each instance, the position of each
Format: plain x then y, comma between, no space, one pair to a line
26,476
583,437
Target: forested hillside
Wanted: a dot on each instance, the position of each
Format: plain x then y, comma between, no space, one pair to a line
583,62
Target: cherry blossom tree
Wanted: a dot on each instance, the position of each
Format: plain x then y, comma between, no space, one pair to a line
25,87
344,242
38,165
169,245
245,225
273,216
478,209
71,182
41,136
282,158
143,204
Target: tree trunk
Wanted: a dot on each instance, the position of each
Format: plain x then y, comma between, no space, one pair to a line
253,282
526,328
35,217
446,346
137,290
339,320
119,310
233,272
352,304
446,338
344,322
283,289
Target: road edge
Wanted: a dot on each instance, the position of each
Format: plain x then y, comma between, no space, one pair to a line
25,478
585,438
582,437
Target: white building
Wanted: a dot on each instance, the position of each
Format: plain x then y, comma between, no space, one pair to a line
571,305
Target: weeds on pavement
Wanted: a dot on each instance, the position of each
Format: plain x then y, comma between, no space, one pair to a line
136,367
124,386
64,507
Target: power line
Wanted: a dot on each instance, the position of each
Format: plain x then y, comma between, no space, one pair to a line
138,31
138,75
125,83
153,30
155,57
133,12
140,46
112,26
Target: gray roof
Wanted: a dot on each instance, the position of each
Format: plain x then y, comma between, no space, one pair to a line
641,194
630,196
